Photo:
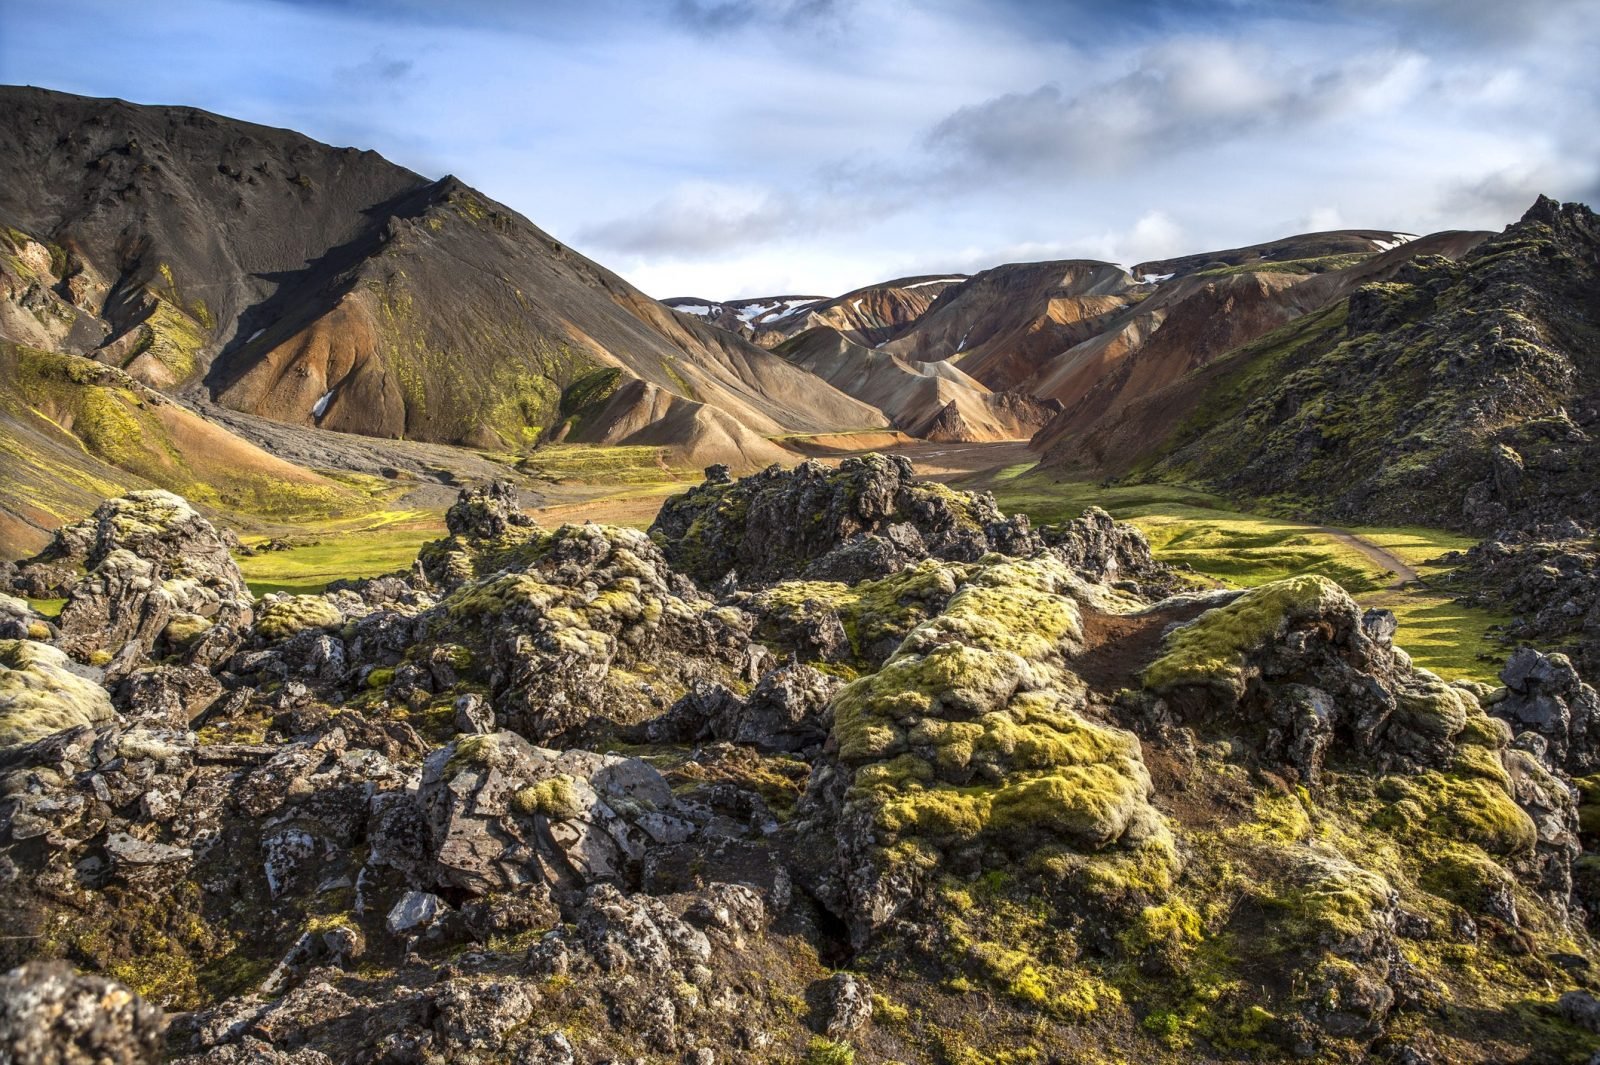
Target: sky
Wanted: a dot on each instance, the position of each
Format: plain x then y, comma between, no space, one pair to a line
730,148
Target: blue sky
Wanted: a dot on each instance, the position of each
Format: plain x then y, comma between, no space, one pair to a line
723,148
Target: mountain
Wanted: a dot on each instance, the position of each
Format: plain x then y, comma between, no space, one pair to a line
328,287
1299,248
75,431
1192,319
745,317
1004,324
1458,392
867,316
929,400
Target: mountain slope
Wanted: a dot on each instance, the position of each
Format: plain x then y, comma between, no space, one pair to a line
1459,393
1005,323
73,431
329,287
931,400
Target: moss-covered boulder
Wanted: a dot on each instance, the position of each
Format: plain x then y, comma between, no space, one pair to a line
586,622
867,518
145,559
289,615
971,740
40,693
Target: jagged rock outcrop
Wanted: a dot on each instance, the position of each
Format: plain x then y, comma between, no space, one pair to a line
1544,694
560,616
1319,673
1547,577
503,815
156,576
868,518
787,710
969,745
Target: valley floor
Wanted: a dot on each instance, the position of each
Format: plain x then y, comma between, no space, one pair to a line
1383,567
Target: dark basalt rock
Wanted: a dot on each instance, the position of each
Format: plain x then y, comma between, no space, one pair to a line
868,518
1544,694
51,1015
157,576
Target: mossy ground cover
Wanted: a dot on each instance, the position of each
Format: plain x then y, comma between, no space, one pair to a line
371,547
598,464
1190,527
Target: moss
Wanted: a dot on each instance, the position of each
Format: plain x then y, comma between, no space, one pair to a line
380,678
1328,899
1588,803
554,797
1071,993
1468,809
291,615
484,750
184,629
1464,876
41,694
822,1051
1170,931
1211,649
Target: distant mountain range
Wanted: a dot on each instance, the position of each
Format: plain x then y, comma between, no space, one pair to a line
1362,373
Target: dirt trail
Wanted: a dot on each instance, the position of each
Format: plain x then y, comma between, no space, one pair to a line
1403,574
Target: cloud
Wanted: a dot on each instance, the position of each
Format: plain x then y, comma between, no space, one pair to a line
697,218
721,16
1182,95
381,67
733,146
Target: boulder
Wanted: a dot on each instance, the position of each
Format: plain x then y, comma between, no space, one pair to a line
150,560
42,691
51,1015
1545,694
500,813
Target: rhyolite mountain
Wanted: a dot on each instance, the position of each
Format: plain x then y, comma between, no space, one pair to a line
927,400
867,316
328,287
1459,392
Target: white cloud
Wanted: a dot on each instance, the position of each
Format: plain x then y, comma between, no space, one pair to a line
740,147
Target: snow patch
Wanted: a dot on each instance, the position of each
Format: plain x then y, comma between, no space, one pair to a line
1399,239
694,308
1156,279
939,281
252,336
320,407
855,305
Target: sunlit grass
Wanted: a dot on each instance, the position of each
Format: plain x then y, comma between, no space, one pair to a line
48,608
596,464
388,543
1199,530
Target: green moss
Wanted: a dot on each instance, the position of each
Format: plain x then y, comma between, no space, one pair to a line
822,1051
1469,809
1589,803
484,750
1211,649
380,678
1170,931
282,618
41,694
554,797
1328,899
